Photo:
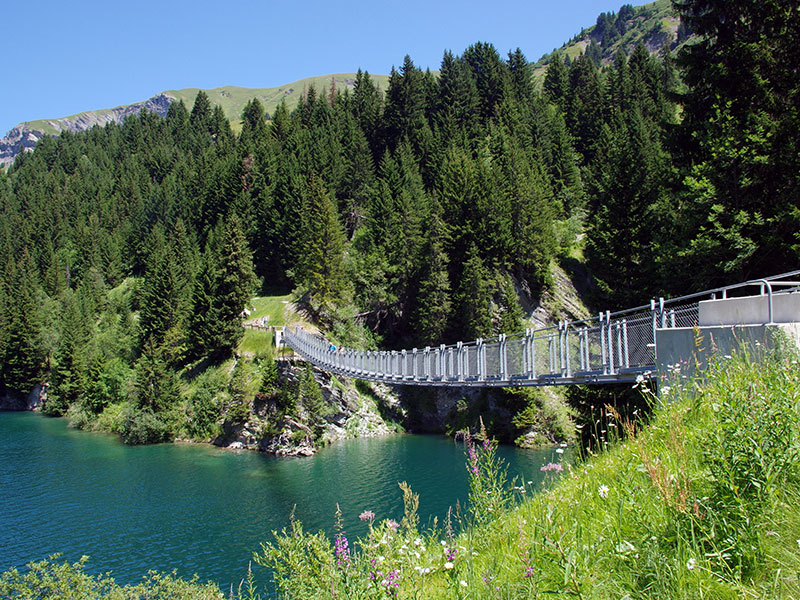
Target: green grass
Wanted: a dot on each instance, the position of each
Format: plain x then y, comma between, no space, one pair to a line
255,341
274,307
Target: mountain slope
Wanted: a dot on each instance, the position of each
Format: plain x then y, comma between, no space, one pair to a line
231,99
656,25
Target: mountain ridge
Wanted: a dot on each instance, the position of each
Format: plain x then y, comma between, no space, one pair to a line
232,99
656,25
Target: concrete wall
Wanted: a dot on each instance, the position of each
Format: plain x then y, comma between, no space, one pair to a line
691,348
751,310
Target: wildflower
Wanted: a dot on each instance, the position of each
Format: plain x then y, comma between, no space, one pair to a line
342,551
665,389
603,491
559,451
691,563
392,524
367,515
448,565
528,572
556,467
463,583
417,542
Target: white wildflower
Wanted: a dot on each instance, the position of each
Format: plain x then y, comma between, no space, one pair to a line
448,565
603,491
691,564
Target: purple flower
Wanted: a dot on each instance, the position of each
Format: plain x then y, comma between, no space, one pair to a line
392,524
552,467
367,515
342,551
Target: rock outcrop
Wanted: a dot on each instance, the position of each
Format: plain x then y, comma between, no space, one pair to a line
350,411
24,137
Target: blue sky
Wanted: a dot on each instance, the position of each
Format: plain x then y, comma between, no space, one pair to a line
61,58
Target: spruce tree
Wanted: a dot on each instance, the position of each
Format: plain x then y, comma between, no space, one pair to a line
321,269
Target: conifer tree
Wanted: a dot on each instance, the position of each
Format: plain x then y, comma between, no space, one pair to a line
433,300
321,269
22,360
473,298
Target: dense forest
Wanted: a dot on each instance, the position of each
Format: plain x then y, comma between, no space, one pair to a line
130,251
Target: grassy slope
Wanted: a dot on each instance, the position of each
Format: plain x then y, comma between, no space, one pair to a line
648,17
661,515
232,99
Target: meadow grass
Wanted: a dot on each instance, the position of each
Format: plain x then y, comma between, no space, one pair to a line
273,307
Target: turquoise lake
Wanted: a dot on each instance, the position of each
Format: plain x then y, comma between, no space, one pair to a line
199,509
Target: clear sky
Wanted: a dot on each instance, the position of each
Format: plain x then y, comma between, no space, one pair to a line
63,57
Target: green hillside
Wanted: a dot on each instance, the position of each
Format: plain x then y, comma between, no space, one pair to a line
655,25
232,99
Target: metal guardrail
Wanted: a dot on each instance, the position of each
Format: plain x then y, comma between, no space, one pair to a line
610,348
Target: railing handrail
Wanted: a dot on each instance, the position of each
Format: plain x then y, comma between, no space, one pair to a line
599,346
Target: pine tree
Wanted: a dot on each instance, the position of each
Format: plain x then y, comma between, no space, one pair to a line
236,282
22,360
473,298
433,300
160,291
321,269
738,138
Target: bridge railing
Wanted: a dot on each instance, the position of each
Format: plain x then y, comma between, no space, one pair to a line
611,347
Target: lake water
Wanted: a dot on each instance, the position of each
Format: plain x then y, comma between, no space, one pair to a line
199,509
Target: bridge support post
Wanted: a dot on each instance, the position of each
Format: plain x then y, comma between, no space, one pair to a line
426,363
481,366
460,361
654,323
610,343
503,357
603,350
625,343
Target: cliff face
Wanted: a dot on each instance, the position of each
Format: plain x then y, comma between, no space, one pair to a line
347,410
24,136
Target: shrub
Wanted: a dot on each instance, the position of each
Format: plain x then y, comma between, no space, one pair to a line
144,427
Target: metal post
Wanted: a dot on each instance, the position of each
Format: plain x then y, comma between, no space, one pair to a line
603,352
654,327
625,342
566,350
502,357
479,360
610,342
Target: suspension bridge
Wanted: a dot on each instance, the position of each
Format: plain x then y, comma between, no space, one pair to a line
613,347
